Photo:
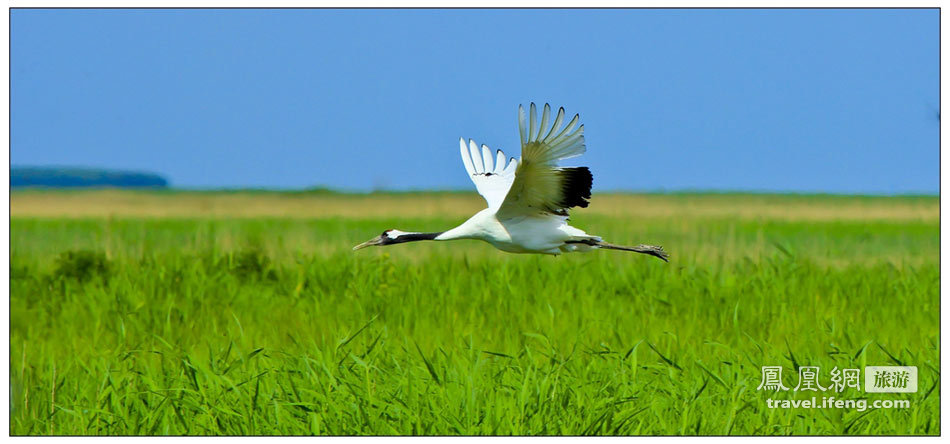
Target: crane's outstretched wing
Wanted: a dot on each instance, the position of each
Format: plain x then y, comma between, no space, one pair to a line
539,185
489,172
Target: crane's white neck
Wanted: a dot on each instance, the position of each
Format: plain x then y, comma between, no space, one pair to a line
476,227
459,232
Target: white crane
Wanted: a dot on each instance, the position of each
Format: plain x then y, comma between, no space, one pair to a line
528,198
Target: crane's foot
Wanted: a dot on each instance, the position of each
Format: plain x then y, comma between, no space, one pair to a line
653,250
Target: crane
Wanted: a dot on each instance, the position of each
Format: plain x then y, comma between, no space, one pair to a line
528,198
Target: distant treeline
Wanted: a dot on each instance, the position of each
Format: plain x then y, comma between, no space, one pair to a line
82,177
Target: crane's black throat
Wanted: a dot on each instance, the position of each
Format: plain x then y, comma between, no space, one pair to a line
409,237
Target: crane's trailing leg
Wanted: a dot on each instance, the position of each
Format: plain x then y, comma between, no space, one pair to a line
652,250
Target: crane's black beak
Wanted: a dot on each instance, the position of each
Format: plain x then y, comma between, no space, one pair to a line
378,240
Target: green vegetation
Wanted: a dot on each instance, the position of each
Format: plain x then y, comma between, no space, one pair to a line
125,324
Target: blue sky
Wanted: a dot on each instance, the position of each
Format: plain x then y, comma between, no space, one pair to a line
841,101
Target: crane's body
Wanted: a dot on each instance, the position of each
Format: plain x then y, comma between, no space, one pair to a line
527,198
520,234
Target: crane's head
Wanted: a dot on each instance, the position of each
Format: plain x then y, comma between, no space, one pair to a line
388,237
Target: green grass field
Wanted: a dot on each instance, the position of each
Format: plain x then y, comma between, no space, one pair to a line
247,313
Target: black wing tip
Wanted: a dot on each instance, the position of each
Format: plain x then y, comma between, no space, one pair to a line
575,187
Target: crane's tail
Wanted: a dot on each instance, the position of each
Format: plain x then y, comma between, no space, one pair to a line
645,249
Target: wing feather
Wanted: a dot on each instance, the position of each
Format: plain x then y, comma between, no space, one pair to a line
534,120
488,159
512,166
500,162
544,119
466,157
476,156
521,128
557,123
